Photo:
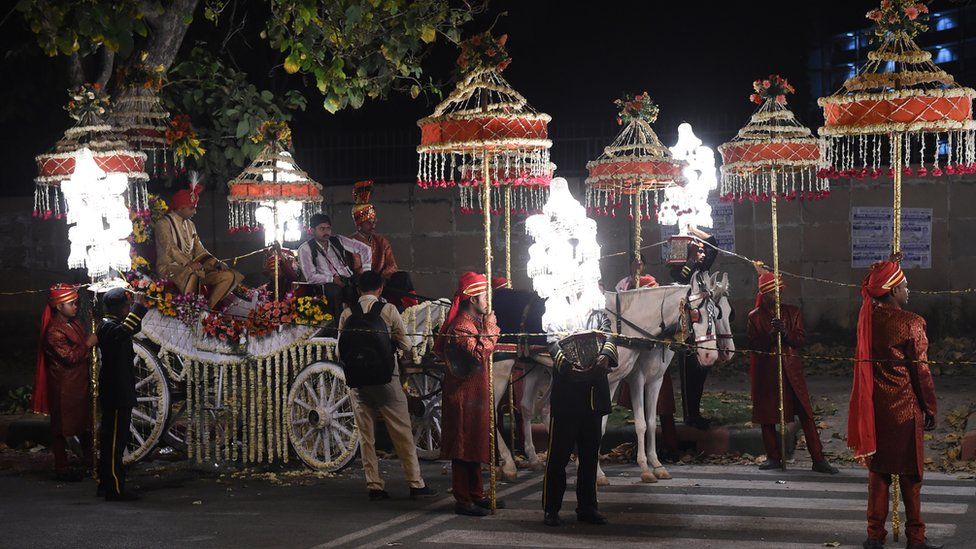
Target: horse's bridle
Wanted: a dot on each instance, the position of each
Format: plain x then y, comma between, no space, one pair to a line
693,314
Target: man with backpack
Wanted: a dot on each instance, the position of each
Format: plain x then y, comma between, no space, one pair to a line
369,334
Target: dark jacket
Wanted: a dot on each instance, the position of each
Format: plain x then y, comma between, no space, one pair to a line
116,379
575,394
681,274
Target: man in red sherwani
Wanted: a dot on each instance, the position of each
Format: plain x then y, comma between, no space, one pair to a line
466,341
764,374
61,382
892,401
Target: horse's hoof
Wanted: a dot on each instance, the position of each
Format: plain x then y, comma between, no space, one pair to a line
647,476
602,481
661,473
537,466
509,475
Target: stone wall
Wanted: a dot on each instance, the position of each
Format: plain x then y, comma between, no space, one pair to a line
436,242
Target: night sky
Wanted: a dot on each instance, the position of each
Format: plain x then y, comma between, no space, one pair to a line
696,58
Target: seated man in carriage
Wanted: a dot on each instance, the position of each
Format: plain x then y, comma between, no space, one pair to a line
398,288
182,258
330,263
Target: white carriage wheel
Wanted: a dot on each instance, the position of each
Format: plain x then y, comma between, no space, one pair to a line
321,424
424,392
152,404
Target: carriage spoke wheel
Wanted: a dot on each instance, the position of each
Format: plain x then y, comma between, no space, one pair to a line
152,404
321,425
424,401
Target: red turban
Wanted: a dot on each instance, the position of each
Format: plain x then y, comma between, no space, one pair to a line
186,198
646,281
469,285
884,276
58,294
498,282
362,210
768,283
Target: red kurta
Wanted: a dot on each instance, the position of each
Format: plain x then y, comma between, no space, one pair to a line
67,359
465,408
763,367
903,390
383,260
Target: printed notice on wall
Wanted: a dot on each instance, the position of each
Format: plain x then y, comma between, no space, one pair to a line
723,227
871,230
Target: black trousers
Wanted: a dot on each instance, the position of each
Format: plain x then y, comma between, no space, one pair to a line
692,385
565,433
113,438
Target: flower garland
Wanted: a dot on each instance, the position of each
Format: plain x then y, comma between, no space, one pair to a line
311,311
183,140
87,103
774,87
140,264
269,316
188,307
637,107
900,18
484,52
274,132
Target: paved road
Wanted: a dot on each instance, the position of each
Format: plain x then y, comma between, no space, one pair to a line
703,506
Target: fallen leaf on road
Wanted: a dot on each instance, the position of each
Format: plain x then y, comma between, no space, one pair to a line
831,544
198,502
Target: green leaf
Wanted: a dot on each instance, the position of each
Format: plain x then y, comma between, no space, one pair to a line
414,91
331,104
428,34
243,128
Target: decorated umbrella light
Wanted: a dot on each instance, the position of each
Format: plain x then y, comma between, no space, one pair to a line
110,152
488,141
688,204
138,113
898,109
273,193
773,157
636,166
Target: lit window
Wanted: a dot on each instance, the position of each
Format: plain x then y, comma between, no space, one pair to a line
944,55
945,22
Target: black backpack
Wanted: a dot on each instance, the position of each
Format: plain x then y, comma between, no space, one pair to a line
365,348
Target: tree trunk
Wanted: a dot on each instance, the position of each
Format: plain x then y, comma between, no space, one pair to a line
166,32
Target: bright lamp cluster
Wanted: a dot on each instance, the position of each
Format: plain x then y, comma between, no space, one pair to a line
281,219
688,205
98,218
564,261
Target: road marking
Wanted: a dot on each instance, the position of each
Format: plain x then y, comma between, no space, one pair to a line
570,541
792,470
859,486
701,523
763,502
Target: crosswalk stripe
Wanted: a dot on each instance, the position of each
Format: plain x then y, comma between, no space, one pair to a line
554,539
859,486
792,470
765,502
704,523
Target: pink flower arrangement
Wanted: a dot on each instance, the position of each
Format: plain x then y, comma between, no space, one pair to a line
775,88
900,17
636,107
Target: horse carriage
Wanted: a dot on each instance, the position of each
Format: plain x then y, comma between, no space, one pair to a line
262,399
283,395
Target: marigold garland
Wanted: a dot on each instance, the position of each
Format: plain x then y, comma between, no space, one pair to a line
273,131
183,140
311,311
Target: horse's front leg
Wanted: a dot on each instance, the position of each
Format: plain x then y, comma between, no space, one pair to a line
601,477
533,382
636,382
502,371
651,391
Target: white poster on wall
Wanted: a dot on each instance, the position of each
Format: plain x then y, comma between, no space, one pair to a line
871,230
723,227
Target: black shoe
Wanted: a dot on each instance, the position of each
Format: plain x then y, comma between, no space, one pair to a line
825,468
591,517
872,544
700,423
924,545
69,476
770,464
376,495
552,519
124,496
425,492
485,503
470,510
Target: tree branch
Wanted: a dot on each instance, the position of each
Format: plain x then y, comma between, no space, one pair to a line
76,71
108,64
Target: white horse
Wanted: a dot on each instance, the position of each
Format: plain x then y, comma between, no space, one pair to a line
536,385
656,313
720,290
